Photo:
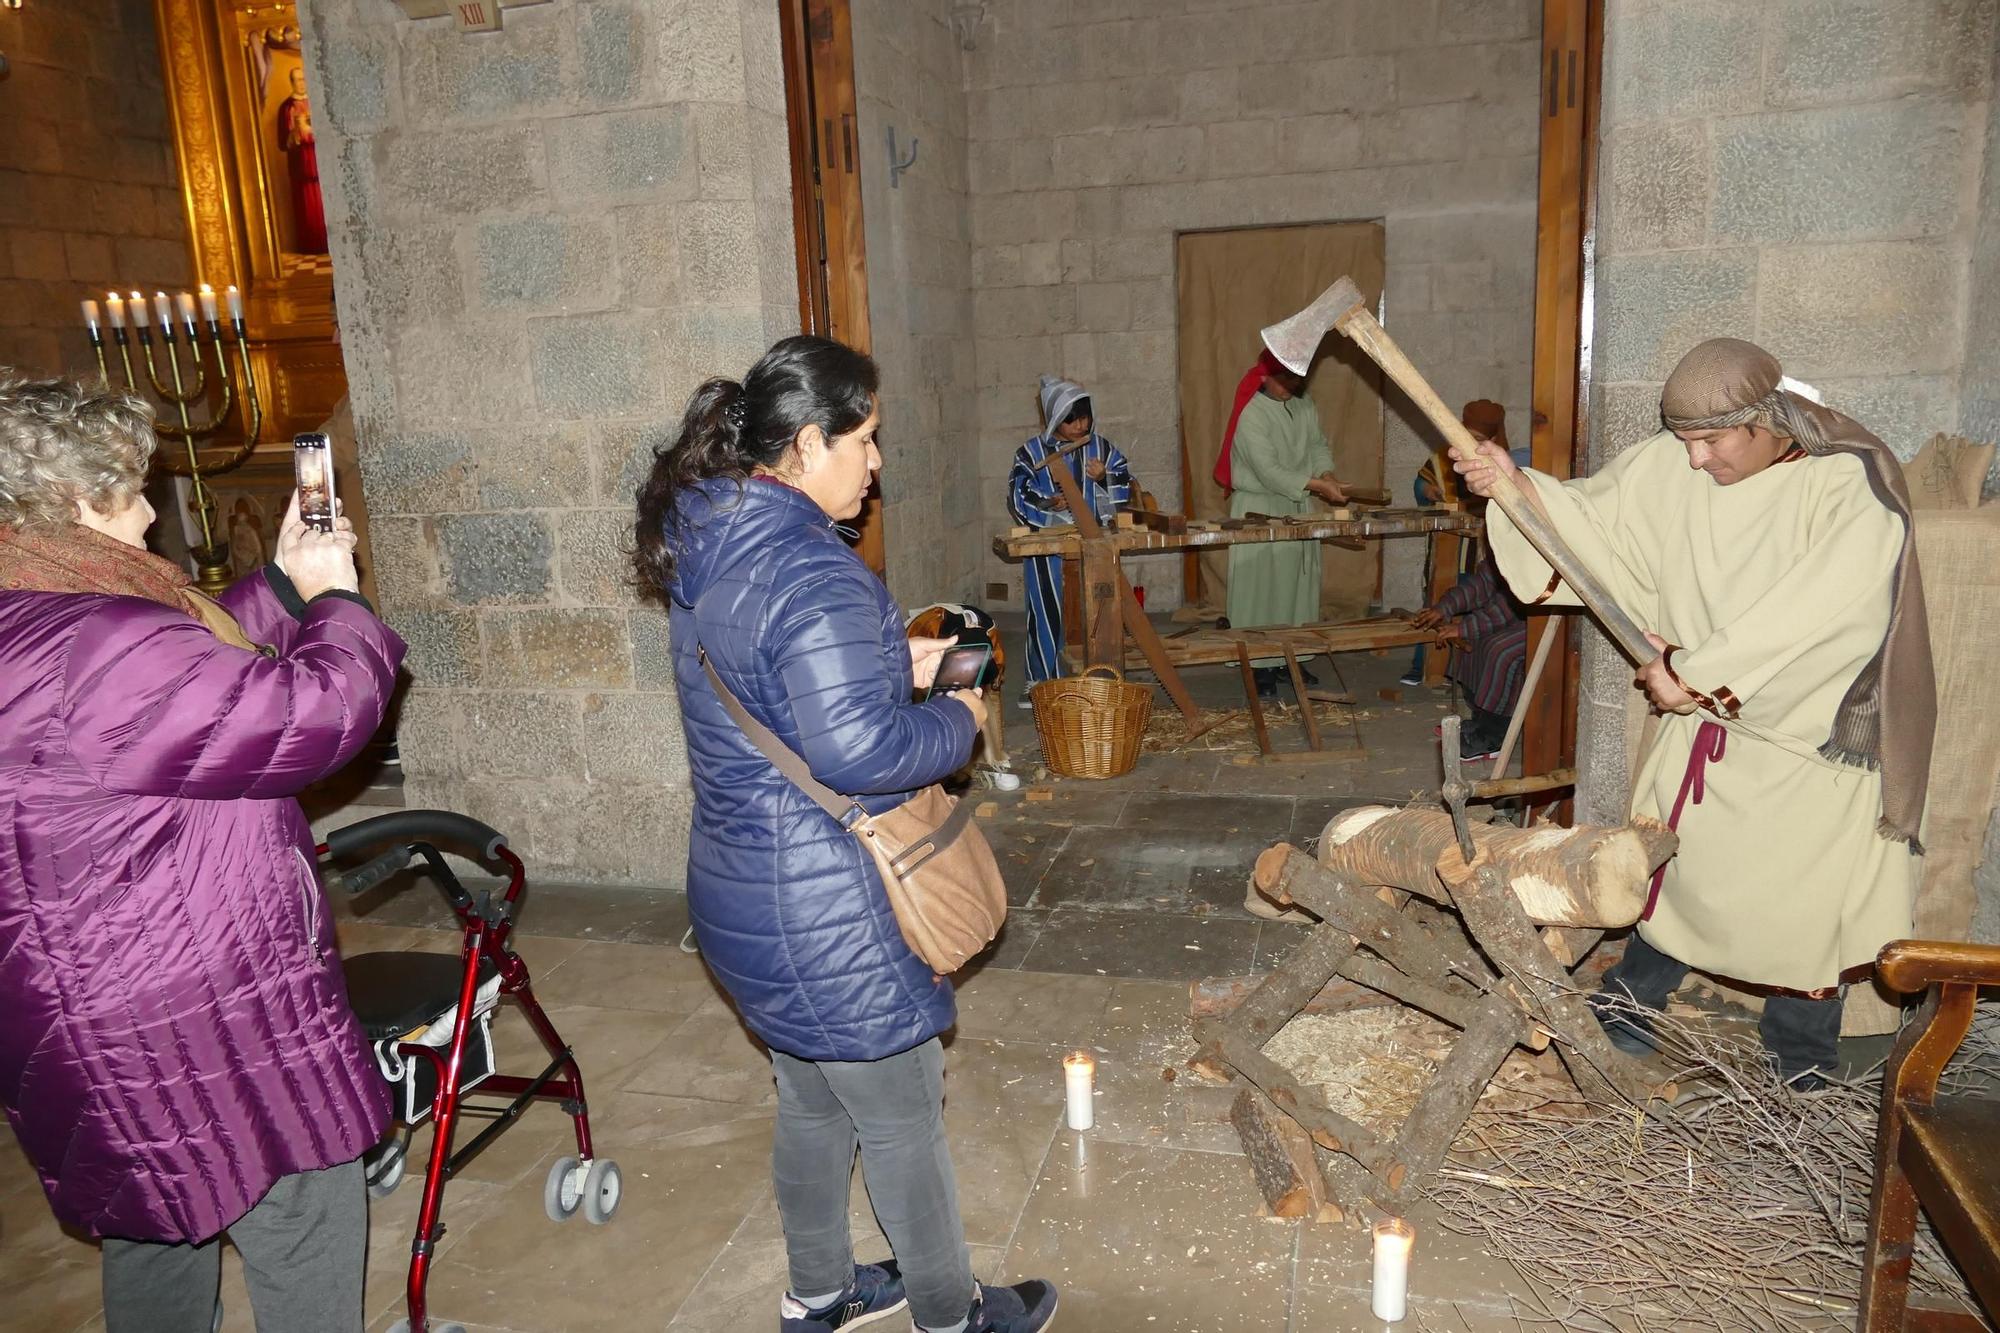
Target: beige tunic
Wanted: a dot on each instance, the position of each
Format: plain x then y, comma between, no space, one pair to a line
1778,588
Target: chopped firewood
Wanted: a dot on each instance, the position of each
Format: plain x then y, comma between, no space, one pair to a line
1041,794
1281,1156
986,809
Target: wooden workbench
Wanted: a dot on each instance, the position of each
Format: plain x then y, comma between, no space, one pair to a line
1100,554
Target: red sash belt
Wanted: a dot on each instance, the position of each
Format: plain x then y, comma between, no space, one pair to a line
1709,743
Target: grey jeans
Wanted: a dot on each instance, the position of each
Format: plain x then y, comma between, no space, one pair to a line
894,1110
304,1247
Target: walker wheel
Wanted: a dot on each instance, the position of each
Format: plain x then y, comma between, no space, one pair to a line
565,1189
385,1163
603,1186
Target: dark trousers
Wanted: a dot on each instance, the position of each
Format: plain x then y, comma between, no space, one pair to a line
893,1110
1803,1035
304,1248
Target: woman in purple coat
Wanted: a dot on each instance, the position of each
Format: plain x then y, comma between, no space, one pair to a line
178,1058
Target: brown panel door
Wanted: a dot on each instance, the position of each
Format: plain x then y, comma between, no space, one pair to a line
1572,57
826,194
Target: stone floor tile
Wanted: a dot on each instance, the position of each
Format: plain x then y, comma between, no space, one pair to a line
1017,936
1003,1101
1154,1238
711,1056
681,1206
578,912
1150,945
52,1295
1018,1006
608,1043
624,976
1025,849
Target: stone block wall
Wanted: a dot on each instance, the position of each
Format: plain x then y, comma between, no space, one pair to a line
1101,128
544,238
1814,175
908,77
89,193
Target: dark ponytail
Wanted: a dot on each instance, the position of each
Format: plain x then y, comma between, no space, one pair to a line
729,429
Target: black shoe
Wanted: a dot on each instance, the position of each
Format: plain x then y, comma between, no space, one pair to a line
1628,1027
1267,682
1026,1307
1307,676
875,1293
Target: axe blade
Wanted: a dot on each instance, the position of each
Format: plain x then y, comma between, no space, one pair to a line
1294,340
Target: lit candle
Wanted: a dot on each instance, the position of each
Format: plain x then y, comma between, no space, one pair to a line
115,306
208,303
165,309
235,305
1079,1076
1391,1291
187,312
90,317
136,305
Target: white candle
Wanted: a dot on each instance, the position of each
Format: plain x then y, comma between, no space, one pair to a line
116,307
235,304
187,311
1390,1299
1079,1076
208,303
135,305
165,308
90,315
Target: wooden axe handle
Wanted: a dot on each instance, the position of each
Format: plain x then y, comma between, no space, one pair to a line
1063,452
1361,326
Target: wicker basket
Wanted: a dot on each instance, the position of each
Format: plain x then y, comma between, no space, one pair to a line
1091,725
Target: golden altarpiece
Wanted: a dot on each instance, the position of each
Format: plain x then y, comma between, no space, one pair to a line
242,124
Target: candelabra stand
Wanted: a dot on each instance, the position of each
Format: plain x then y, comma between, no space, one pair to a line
185,388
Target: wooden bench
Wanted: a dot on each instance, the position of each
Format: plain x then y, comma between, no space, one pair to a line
1940,1153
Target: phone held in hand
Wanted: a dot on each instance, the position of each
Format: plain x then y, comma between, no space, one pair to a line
961,668
312,469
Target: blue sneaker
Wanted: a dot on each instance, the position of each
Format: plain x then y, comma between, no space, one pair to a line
1026,1307
875,1293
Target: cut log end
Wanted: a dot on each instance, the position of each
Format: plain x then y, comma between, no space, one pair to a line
1269,870
1281,1156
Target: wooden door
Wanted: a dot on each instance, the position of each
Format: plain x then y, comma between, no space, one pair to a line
826,194
1565,264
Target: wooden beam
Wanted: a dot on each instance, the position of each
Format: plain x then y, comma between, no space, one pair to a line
1571,66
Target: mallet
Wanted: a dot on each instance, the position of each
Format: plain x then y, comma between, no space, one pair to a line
1341,306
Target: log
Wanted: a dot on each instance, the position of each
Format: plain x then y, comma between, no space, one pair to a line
1585,876
1218,997
1281,1156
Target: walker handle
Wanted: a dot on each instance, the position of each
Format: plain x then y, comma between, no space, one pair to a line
443,829
365,877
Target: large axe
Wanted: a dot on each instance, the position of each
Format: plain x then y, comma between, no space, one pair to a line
1341,306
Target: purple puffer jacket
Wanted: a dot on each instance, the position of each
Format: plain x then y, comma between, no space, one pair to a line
176,1033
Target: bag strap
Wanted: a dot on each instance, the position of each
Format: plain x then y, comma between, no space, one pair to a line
847,812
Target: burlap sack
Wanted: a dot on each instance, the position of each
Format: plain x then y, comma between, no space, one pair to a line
1947,473
1960,553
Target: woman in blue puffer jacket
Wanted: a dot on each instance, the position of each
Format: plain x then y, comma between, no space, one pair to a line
738,524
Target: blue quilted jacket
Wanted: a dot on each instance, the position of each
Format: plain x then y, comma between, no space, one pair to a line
788,909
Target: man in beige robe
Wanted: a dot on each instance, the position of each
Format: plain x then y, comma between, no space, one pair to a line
1765,540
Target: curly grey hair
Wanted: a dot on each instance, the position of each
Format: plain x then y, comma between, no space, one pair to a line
63,444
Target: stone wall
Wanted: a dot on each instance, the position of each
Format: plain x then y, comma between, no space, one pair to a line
544,239
89,198
908,77
1806,174
1101,129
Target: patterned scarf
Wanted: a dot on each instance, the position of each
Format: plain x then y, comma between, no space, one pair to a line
74,559
1888,718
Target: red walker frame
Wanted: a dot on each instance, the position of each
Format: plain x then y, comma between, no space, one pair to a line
487,921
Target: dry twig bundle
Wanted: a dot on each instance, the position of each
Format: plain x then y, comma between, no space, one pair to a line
1744,1214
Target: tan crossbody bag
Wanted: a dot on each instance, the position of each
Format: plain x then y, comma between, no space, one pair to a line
941,876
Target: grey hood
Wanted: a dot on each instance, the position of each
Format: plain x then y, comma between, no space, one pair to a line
1058,396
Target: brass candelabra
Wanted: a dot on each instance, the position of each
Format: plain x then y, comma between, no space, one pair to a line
175,319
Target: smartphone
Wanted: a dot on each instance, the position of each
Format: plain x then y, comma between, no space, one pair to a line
962,668
312,469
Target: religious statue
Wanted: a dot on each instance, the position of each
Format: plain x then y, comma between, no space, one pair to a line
295,136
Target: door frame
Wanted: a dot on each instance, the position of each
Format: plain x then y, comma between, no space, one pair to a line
822,122
1572,63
